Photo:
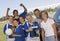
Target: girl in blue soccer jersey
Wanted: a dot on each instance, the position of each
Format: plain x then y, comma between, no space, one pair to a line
9,26
25,27
33,28
19,33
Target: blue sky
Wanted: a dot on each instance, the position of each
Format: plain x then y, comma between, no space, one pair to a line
14,4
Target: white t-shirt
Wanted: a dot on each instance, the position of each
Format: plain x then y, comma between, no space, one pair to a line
48,27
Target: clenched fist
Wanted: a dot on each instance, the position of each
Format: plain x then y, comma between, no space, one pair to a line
8,9
21,5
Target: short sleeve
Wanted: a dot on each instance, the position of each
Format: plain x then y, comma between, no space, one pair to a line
41,24
4,28
52,21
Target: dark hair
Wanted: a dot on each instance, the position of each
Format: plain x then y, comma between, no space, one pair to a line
44,12
36,10
15,11
22,17
39,11
10,16
15,20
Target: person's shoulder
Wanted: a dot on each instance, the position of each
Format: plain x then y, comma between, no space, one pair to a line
5,25
42,22
35,22
26,22
20,25
50,19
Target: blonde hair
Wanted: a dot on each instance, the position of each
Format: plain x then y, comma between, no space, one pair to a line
29,15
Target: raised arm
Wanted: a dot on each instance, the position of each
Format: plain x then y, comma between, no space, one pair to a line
7,12
25,9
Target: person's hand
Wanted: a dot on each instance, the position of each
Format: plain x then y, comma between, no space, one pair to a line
27,30
30,29
8,9
56,39
37,31
21,5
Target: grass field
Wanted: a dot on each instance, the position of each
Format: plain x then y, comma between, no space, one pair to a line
2,36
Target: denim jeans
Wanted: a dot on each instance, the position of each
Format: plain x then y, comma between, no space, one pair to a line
50,38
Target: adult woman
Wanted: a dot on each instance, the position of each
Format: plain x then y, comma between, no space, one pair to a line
49,28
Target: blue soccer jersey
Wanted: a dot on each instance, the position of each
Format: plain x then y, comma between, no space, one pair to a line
19,31
10,27
25,26
35,26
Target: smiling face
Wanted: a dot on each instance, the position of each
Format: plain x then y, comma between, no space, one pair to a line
11,19
37,13
21,20
44,15
15,23
15,12
29,18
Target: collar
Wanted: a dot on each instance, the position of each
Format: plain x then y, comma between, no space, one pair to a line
10,23
23,23
30,23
